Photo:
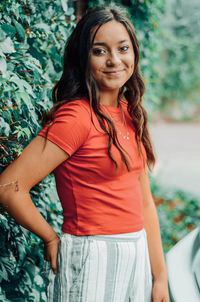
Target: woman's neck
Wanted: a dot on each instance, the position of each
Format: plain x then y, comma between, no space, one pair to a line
109,99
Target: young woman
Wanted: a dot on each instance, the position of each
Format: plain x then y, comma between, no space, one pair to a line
96,142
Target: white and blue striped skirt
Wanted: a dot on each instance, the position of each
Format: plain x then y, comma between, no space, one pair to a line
101,268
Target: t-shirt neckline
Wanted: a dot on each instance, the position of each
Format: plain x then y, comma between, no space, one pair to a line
112,109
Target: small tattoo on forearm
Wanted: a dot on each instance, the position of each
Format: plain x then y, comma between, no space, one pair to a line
9,184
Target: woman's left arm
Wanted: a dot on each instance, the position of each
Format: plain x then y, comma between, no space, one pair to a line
151,224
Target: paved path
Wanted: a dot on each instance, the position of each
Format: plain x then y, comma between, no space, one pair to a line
177,147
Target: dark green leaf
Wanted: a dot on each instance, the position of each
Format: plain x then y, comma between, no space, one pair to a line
20,29
8,29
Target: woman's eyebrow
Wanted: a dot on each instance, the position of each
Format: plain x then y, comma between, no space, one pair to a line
122,41
104,44
100,43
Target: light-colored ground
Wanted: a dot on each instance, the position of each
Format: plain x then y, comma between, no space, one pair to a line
177,147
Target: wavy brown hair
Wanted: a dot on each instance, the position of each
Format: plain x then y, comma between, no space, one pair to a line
77,82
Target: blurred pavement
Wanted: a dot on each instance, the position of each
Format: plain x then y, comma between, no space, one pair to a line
177,148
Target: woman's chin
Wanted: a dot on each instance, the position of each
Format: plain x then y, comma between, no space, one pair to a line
111,87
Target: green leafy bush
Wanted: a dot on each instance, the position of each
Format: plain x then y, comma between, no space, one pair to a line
178,211
32,36
178,63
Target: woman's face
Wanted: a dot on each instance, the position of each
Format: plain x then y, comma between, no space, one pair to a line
112,59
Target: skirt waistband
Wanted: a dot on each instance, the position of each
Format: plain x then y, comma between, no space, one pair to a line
134,236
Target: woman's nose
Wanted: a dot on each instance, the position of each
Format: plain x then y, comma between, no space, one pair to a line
113,60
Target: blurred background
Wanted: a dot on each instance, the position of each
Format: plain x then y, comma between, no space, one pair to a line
32,38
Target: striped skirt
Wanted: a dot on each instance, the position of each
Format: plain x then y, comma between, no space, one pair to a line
101,268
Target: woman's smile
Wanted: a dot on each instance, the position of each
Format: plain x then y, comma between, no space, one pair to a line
114,72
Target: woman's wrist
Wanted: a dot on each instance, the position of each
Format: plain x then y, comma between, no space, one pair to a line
161,276
51,238
160,272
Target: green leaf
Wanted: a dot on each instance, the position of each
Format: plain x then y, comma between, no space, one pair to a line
28,87
17,8
23,96
64,5
27,132
3,296
42,26
15,79
22,84
20,29
6,114
4,274
8,29
3,65
38,280
3,217
7,46
4,127
2,35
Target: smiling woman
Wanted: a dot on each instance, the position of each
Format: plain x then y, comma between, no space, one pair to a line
96,141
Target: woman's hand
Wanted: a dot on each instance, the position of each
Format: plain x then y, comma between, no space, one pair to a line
160,291
151,224
51,252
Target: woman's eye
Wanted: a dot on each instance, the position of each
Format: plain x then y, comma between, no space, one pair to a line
124,48
98,51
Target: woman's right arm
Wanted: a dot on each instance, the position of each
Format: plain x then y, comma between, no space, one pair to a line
37,160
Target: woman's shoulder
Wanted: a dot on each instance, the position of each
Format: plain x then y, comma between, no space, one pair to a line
77,106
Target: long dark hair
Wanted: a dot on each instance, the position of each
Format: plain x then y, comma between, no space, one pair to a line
77,82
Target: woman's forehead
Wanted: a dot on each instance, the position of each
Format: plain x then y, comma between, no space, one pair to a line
110,31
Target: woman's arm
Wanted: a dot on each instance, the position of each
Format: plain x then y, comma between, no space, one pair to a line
151,223
35,163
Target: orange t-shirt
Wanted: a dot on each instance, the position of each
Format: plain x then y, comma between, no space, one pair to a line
96,198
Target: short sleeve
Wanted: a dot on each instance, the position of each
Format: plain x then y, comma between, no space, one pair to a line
70,127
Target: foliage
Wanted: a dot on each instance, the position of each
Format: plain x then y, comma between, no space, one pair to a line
32,36
178,212
21,253
178,63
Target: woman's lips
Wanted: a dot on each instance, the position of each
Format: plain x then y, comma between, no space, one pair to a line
114,72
